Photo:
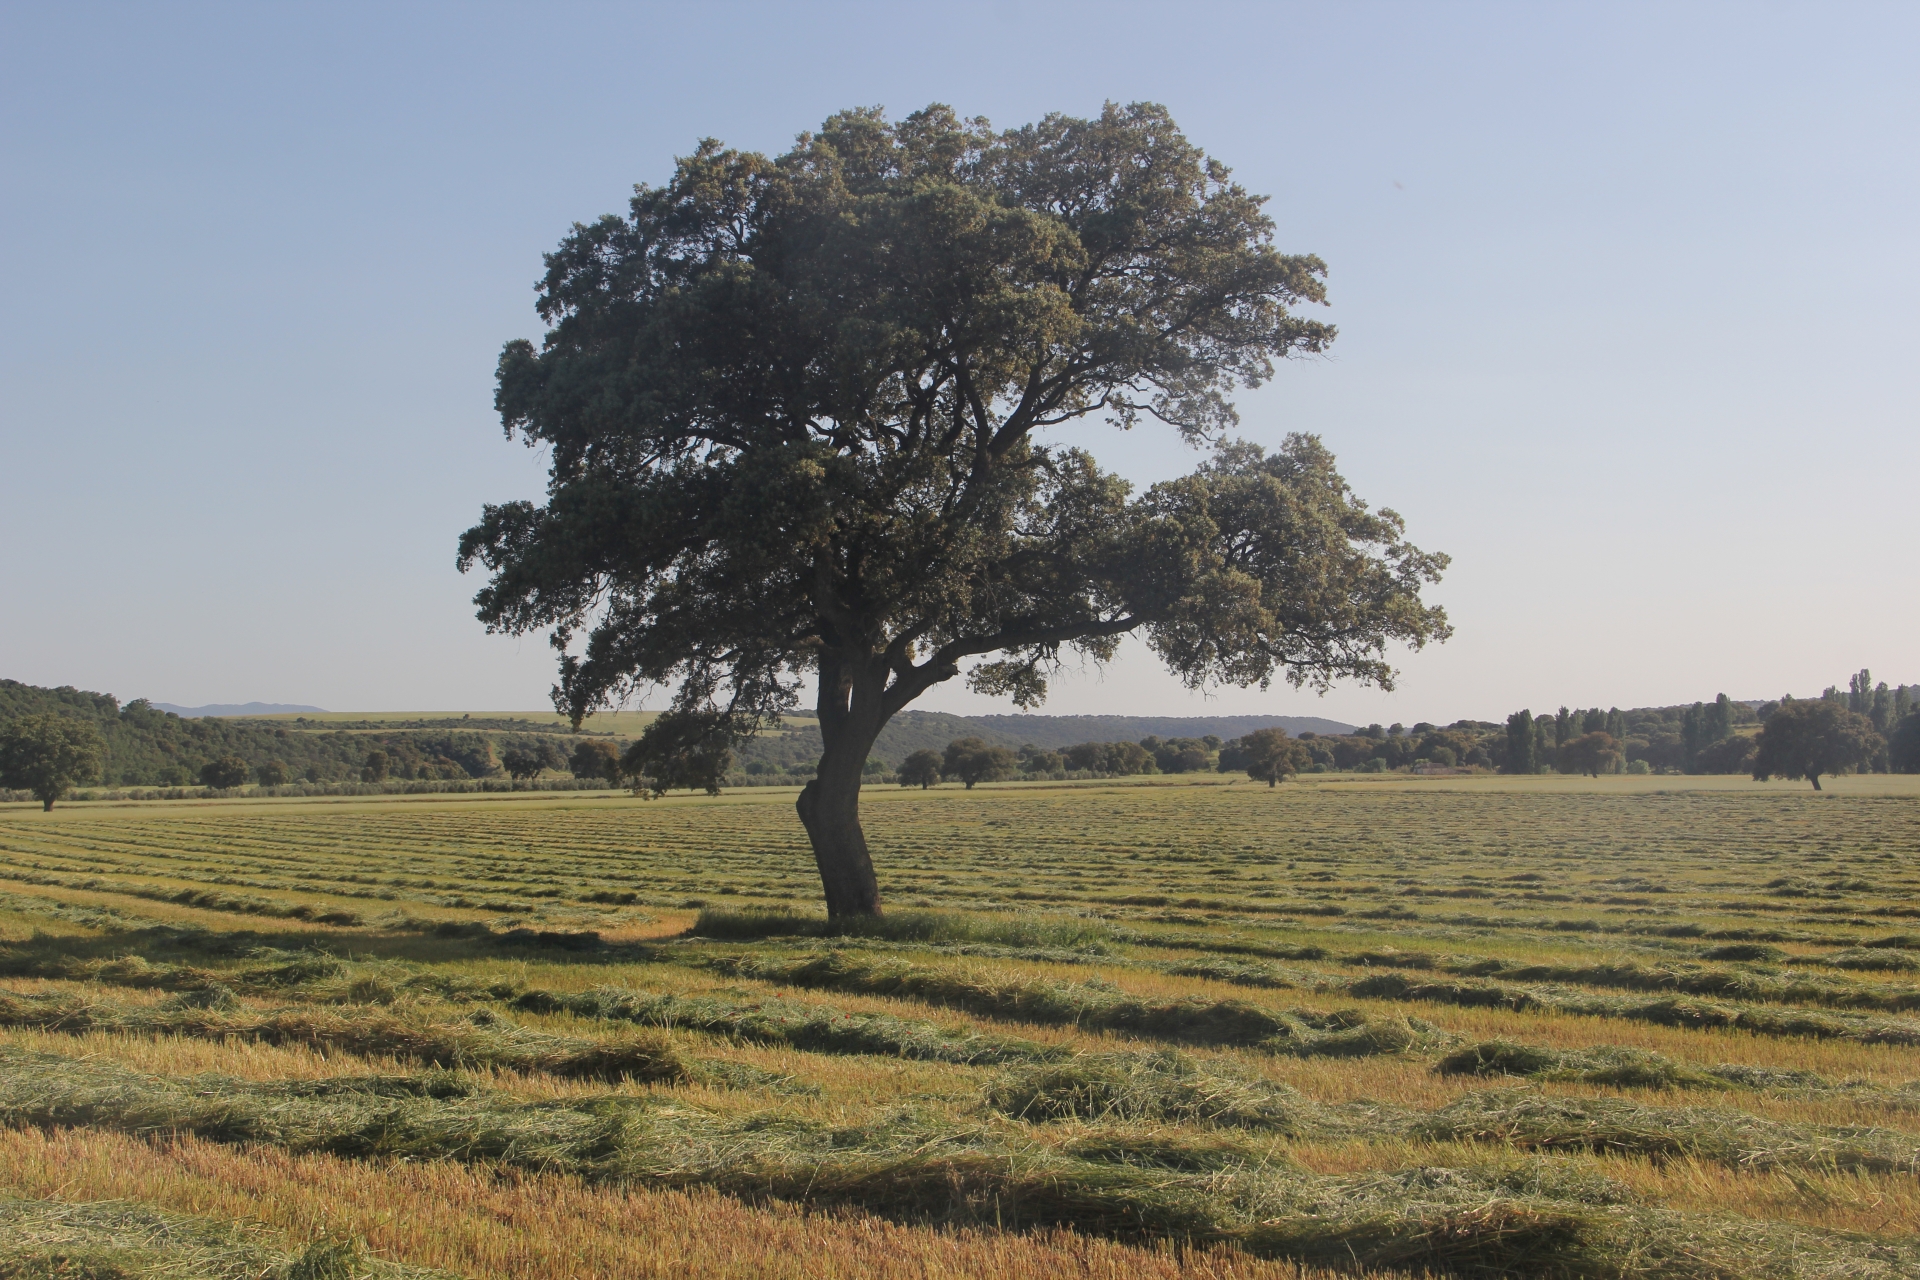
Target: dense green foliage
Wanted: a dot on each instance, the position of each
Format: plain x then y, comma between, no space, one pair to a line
921,769
796,407
144,747
972,761
1269,756
1807,739
46,754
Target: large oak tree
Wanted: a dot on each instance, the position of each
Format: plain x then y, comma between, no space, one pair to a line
1807,739
796,408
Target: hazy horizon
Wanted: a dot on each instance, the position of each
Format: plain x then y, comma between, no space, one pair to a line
1624,296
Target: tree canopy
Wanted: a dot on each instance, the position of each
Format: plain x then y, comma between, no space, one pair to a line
795,407
973,761
45,755
1595,753
921,769
1805,739
1271,756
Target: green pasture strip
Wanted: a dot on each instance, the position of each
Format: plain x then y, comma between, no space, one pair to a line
120,1240
1532,1217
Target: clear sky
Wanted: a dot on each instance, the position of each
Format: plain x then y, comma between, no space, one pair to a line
1626,297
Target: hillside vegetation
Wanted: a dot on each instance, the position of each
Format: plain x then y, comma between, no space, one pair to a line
146,747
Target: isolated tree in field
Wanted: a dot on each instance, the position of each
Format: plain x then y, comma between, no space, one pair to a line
972,760
46,755
921,769
521,763
795,409
1272,756
595,759
1804,739
225,773
1595,753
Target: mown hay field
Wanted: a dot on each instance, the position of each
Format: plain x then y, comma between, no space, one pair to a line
1472,1026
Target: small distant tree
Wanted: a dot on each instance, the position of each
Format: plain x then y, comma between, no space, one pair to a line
522,763
676,753
1522,746
225,773
595,758
1595,753
271,774
921,769
374,768
1807,739
971,760
47,754
1272,756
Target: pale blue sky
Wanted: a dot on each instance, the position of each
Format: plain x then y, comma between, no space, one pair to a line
1626,296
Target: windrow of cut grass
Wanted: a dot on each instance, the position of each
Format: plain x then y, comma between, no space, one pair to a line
1094,1006
810,1027
1483,1220
1085,935
485,1040
1672,1011
1529,1120
1629,1068
1160,1087
118,1240
1755,985
191,896
1168,1087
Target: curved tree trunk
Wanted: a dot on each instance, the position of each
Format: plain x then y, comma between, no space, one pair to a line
830,810
851,716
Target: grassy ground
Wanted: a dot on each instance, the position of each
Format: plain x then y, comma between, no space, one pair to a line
1625,1027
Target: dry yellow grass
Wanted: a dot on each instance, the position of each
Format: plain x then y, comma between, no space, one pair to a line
1541,871
520,1227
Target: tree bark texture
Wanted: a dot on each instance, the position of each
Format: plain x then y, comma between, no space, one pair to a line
851,716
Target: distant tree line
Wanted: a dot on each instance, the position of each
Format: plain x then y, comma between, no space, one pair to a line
1722,736
87,739
53,740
